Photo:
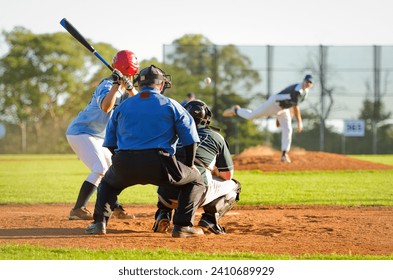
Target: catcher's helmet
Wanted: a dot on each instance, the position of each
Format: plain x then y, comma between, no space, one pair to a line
153,75
199,111
126,62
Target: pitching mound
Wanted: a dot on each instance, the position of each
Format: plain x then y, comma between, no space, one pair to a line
267,159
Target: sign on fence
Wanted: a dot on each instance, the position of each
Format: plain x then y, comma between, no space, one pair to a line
354,128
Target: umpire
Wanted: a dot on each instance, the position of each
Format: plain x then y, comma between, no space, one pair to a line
143,133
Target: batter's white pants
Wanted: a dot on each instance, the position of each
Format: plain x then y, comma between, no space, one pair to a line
269,108
90,151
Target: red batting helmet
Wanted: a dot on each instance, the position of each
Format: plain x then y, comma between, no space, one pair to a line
126,62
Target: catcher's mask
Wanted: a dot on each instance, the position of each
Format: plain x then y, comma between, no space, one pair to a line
199,111
153,75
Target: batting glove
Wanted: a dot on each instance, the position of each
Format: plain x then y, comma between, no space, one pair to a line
117,76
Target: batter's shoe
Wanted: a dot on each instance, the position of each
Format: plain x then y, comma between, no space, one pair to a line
163,221
211,227
285,158
182,232
96,228
80,214
120,213
231,112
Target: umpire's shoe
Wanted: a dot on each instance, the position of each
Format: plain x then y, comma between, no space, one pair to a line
96,228
163,221
179,231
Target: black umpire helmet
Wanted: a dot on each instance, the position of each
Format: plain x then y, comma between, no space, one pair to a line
199,111
153,75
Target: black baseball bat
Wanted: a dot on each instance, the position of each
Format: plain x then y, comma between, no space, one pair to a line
81,39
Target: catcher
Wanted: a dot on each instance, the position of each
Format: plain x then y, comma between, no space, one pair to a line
215,164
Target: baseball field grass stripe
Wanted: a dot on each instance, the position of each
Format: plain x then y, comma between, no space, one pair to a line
384,159
30,252
52,179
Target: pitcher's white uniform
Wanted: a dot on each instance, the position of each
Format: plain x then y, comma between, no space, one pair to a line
275,106
280,105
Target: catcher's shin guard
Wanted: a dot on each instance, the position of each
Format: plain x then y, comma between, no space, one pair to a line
214,211
219,207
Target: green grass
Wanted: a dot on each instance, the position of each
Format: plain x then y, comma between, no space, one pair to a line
321,188
57,178
384,159
52,179
30,252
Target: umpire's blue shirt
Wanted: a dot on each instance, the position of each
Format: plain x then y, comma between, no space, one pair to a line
150,120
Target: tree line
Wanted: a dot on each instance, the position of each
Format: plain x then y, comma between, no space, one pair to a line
46,79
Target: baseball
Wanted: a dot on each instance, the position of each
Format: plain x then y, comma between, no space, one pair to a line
207,81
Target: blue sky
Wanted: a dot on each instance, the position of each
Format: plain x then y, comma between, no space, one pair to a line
144,26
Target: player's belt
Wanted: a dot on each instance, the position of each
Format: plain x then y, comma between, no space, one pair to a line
137,152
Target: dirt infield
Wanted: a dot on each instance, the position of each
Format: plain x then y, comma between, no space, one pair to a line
280,230
294,230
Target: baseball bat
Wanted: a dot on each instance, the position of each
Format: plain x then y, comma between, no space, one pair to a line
81,39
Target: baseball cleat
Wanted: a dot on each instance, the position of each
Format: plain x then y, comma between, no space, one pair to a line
186,231
161,225
80,214
120,213
163,221
211,227
286,159
231,112
96,228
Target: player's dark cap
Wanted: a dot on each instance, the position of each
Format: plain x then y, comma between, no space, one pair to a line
308,78
153,75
